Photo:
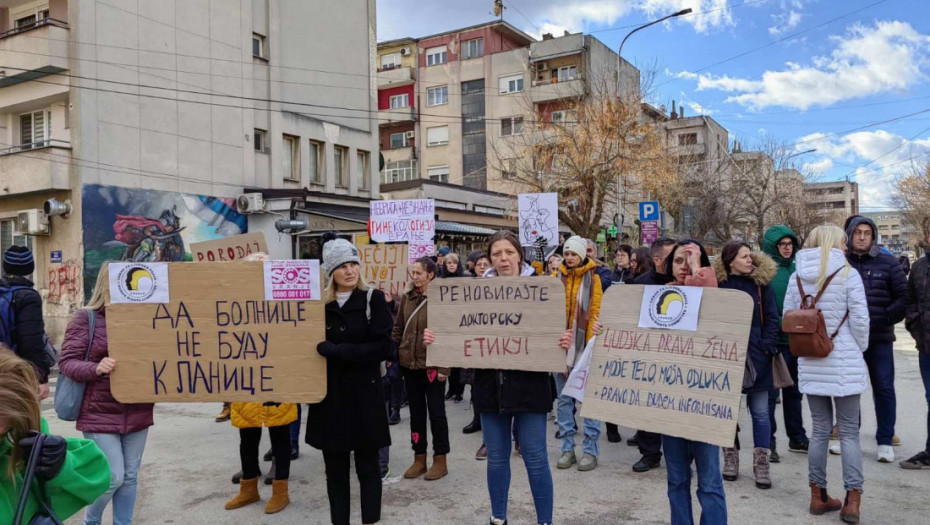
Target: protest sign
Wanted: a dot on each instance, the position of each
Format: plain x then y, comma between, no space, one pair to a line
232,248
674,382
384,266
511,323
297,279
539,215
138,283
218,339
672,307
412,221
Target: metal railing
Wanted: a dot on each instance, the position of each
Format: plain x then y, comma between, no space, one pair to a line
50,143
34,25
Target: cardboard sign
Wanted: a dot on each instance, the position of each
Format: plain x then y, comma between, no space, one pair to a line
510,323
411,220
384,266
679,383
539,215
232,248
217,340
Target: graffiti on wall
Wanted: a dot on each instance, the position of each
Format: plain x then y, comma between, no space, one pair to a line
129,224
64,283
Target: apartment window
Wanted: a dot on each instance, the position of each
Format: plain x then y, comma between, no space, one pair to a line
361,169
340,156
563,117
35,129
316,162
687,139
399,171
259,137
563,74
291,168
390,61
436,96
509,169
511,126
472,48
9,236
511,84
399,140
437,136
258,45
400,101
438,173
436,55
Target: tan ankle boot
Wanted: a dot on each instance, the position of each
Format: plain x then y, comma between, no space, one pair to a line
730,464
438,470
850,512
248,494
418,468
279,497
760,467
821,503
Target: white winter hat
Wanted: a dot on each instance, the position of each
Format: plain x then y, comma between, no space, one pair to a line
336,253
576,244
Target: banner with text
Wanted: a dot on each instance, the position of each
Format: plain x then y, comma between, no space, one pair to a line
232,248
679,383
218,339
511,323
412,221
384,266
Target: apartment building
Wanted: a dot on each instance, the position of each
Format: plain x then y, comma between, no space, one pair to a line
841,196
893,232
146,121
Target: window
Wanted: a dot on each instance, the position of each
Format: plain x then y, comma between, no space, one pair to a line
9,236
340,156
259,138
390,61
291,158
316,162
399,171
509,169
436,96
563,117
566,73
34,129
361,169
399,140
436,55
437,136
511,84
438,173
687,139
472,48
511,126
400,101
258,45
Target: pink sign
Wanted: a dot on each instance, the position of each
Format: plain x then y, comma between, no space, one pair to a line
292,280
649,232
417,250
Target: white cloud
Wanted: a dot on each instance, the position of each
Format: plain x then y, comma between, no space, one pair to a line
819,167
888,56
787,18
698,109
714,14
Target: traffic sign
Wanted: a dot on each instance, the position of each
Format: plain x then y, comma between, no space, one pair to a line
648,211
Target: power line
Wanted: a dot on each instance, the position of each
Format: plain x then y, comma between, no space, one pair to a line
889,152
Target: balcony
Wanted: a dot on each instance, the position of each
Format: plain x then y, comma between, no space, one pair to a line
395,77
395,116
549,90
33,51
34,168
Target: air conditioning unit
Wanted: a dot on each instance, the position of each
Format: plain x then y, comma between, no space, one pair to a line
405,51
32,222
408,134
542,66
250,203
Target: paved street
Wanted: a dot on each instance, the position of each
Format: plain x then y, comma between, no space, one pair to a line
189,460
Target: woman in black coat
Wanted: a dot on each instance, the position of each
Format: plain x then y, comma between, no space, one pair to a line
352,417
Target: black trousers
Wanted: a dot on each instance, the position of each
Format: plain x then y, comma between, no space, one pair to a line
650,444
427,398
456,386
249,439
337,485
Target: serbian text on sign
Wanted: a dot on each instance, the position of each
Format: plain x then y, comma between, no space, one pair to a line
292,280
384,266
411,221
232,248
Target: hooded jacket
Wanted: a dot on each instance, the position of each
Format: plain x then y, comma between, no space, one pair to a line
843,372
884,281
763,333
29,333
779,283
410,348
918,303
573,279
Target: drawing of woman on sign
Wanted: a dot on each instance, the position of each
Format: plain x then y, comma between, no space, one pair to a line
535,220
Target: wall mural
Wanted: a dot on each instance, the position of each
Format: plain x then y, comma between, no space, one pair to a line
128,224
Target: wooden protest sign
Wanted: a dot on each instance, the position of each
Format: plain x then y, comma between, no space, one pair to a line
680,383
384,267
232,248
511,323
217,340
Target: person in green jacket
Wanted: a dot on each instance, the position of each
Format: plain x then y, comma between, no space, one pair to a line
781,244
75,472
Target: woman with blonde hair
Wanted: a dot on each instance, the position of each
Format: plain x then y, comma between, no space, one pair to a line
833,384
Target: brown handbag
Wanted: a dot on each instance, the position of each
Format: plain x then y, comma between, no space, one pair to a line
805,326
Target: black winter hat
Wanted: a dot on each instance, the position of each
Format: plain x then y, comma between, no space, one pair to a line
18,260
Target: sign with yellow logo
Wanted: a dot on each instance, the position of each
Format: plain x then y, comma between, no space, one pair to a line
139,283
671,307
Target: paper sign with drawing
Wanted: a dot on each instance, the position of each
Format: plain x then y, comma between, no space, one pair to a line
539,216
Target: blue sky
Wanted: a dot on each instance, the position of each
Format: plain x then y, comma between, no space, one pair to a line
830,74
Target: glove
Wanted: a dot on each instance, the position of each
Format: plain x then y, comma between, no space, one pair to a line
326,349
539,248
52,456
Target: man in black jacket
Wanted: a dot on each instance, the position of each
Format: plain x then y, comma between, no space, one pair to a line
918,324
886,293
28,333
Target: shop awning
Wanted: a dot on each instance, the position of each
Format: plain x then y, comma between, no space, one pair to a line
462,229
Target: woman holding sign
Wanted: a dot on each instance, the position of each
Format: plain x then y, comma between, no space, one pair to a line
505,397
689,266
351,419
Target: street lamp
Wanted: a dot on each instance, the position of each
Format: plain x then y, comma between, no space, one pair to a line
805,152
619,78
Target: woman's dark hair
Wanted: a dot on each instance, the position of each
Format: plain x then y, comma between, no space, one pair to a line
628,249
429,265
730,251
643,258
705,261
509,236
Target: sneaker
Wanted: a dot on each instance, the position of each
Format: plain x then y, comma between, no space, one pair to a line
645,464
773,455
895,441
385,472
482,453
885,454
919,461
798,446
836,450
588,462
566,460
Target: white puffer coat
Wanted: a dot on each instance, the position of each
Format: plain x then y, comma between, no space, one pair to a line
843,372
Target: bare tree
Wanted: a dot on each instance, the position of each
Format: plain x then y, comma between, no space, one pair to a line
911,195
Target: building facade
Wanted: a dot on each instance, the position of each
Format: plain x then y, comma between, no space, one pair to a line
893,232
841,196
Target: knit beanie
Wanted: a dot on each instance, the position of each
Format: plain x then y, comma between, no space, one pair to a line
445,250
17,260
336,253
576,244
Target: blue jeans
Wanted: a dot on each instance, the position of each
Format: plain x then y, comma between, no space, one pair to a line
567,426
678,456
791,399
758,403
924,360
124,452
531,431
879,358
